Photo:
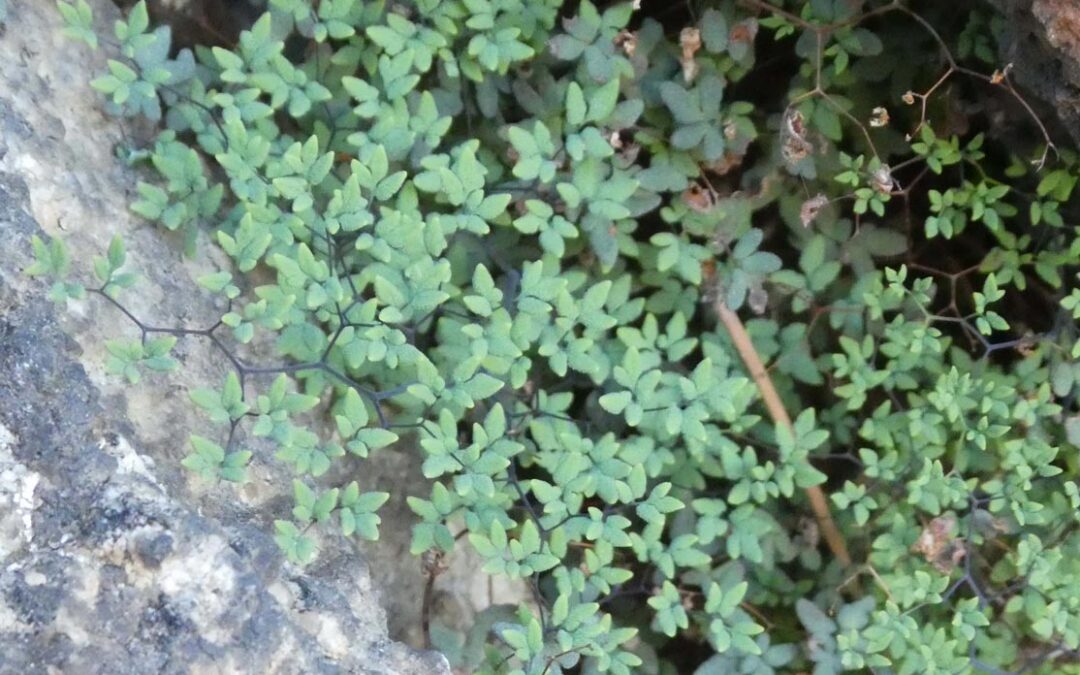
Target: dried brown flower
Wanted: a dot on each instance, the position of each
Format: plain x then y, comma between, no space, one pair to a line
999,75
879,117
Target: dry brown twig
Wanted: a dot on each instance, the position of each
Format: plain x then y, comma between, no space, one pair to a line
745,346
433,563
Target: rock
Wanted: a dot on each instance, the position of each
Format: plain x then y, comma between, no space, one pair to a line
112,558
1042,42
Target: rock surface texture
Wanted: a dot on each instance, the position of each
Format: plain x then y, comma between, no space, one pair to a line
1042,41
112,559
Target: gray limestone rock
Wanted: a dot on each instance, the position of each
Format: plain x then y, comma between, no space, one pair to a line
112,558
1042,42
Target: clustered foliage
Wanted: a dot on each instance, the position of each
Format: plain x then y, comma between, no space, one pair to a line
503,231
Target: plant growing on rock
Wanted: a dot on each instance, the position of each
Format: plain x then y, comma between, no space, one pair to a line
738,376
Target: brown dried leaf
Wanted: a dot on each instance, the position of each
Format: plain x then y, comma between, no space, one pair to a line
699,198
794,147
809,210
935,536
938,544
690,41
744,31
626,41
882,179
